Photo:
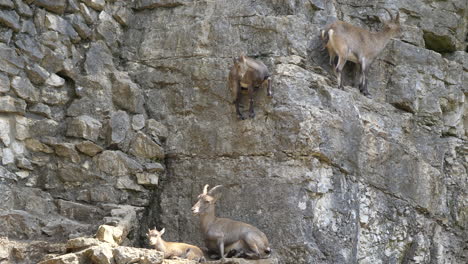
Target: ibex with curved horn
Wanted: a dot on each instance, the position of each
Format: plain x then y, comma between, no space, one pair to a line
351,43
226,235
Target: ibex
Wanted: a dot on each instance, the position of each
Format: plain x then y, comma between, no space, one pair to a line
247,74
174,249
225,235
351,43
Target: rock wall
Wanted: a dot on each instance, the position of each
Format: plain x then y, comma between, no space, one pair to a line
118,110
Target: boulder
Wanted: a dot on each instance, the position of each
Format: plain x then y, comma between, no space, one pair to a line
84,127
143,146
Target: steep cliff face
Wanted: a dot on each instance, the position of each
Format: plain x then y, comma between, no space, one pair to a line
118,113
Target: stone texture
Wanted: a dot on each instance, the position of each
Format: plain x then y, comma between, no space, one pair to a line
37,74
10,62
119,125
126,94
24,89
4,83
117,163
10,19
138,122
98,5
143,146
10,104
379,180
56,6
89,148
84,127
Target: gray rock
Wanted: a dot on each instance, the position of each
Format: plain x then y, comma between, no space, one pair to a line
53,60
149,179
10,62
98,59
6,35
143,146
10,19
117,163
149,4
84,127
154,167
7,3
44,127
127,183
126,94
97,5
79,212
23,9
37,146
28,27
156,129
101,254
69,172
55,81
123,15
67,150
89,15
62,26
5,131
24,163
37,74
109,30
138,122
24,89
56,6
9,104
29,46
4,83
119,125
41,109
8,157
73,6
53,96
89,148
124,255
79,25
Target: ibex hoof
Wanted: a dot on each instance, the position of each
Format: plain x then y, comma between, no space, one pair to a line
252,115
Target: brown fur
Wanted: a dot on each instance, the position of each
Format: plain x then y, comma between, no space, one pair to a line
174,249
250,74
225,236
352,43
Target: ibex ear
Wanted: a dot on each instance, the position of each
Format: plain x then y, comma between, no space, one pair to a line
397,18
162,231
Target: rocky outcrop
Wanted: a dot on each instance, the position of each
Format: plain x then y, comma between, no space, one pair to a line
114,114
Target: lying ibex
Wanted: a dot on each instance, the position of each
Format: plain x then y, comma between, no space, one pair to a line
225,235
351,43
247,74
174,249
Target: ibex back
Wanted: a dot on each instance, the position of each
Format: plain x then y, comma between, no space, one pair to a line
249,74
351,43
225,236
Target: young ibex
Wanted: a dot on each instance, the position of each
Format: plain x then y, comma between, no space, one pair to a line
225,235
174,249
351,43
247,74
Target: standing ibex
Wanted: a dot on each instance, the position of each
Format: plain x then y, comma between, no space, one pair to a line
351,43
174,249
249,74
226,235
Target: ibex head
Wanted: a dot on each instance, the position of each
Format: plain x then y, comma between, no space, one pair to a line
154,235
206,200
241,65
393,24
